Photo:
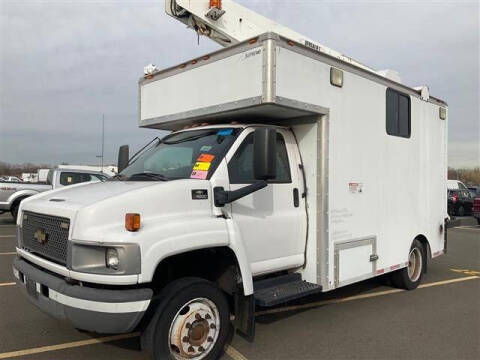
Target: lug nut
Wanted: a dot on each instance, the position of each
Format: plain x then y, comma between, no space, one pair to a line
188,325
210,339
191,349
208,317
198,317
185,339
212,326
201,349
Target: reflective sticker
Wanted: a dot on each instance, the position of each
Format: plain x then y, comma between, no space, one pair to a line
202,166
198,174
206,157
69,179
206,148
225,132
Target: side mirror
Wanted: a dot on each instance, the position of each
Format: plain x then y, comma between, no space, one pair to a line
123,157
265,154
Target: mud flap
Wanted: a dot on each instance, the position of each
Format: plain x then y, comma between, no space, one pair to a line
244,315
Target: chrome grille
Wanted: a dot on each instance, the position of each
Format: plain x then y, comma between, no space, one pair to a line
54,245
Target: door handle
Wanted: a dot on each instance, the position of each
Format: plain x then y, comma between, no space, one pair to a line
296,199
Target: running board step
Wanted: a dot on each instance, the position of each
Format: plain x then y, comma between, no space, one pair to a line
274,291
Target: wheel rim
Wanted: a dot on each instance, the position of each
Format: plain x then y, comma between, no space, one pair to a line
194,330
415,263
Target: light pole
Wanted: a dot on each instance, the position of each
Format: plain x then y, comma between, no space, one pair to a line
103,139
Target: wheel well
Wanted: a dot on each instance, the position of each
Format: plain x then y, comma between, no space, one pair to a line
428,253
218,264
17,201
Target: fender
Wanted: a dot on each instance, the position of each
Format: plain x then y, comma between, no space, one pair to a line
163,240
21,194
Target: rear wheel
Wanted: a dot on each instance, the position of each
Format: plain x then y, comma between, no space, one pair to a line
411,276
192,321
461,211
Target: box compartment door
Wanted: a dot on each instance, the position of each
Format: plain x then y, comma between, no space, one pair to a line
355,260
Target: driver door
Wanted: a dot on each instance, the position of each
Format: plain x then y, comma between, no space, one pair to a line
271,221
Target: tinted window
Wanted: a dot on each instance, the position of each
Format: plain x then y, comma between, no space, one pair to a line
70,178
398,121
240,167
96,177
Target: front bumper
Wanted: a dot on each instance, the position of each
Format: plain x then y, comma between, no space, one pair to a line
87,308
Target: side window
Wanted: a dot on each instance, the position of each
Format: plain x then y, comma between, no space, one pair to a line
240,167
398,118
70,178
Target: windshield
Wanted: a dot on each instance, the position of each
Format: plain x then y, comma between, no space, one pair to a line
190,154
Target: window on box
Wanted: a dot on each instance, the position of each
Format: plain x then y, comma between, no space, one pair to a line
240,167
398,114
70,178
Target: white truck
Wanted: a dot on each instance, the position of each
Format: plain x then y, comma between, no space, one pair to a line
290,171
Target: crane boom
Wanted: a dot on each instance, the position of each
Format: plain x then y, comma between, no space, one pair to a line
233,23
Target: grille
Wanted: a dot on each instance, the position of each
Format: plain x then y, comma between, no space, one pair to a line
55,242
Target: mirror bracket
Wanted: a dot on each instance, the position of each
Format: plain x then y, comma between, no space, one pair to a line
222,197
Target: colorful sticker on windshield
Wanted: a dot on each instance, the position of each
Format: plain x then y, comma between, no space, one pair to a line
199,174
206,148
225,132
206,157
204,166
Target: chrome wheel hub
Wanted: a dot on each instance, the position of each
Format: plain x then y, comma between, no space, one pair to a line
415,264
194,330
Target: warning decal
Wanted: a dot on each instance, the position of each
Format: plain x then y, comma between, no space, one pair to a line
206,158
199,174
355,187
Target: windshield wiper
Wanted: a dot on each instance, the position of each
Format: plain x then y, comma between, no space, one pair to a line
149,176
118,177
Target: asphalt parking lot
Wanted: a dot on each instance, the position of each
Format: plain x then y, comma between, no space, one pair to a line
370,320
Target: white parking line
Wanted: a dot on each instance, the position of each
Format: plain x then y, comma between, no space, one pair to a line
473,227
8,253
7,236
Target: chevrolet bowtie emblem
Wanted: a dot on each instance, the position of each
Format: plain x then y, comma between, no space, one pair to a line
41,236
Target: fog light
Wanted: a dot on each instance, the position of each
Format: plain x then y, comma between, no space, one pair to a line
111,258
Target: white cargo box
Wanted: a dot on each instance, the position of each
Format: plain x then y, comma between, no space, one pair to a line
265,78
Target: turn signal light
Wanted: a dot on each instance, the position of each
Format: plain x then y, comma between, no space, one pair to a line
216,3
132,222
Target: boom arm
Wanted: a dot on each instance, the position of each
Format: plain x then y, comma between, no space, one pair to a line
234,23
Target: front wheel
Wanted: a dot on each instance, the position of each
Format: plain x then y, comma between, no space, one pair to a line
461,211
191,321
410,277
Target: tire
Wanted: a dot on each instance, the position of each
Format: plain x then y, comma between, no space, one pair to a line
461,211
198,312
411,276
14,211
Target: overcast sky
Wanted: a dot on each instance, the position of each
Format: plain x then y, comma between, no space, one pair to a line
65,63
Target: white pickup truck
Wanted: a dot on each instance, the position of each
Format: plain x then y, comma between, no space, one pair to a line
289,172
12,193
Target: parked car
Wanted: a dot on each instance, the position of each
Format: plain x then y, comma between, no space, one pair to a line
12,193
460,202
476,209
456,185
474,190
11,179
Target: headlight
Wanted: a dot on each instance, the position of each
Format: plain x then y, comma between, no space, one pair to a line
114,259
111,258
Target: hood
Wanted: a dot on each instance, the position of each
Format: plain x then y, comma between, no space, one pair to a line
67,200
97,210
